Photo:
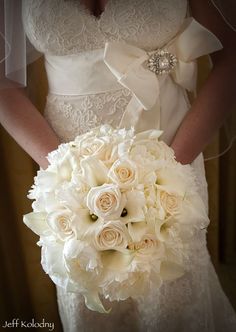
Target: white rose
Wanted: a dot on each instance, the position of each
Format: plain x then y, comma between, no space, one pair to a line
61,223
106,201
147,244
112,235
170,202
124,173
100,147
92,146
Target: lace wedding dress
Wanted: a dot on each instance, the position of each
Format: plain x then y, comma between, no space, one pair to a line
90,85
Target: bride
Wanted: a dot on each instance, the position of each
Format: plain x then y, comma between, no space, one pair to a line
93,58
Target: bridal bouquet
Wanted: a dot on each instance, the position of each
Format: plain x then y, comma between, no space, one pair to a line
115,214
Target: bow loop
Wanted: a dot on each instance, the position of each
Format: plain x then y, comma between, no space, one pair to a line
193,41
126,63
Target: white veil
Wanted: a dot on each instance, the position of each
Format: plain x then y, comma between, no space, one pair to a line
227,9
15,49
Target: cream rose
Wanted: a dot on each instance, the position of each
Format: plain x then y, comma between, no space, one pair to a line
106,201
146,249
92,146
147,244
112,235
124,173
60,223
170,202
101,148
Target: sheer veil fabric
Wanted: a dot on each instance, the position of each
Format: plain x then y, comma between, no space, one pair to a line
16,50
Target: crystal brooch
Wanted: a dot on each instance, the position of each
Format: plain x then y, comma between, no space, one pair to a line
161,62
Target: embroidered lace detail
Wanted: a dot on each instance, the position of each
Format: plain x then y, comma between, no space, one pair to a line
66,27
70,116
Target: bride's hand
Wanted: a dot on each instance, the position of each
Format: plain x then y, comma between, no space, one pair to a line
26,125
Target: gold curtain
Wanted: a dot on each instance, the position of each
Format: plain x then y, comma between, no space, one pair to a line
26,292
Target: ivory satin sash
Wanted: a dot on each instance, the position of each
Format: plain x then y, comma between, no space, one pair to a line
120,65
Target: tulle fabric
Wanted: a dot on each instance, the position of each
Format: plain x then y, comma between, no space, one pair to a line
227,9
16,52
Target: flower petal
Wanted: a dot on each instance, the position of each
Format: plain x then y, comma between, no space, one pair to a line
36,221
94,171
94,303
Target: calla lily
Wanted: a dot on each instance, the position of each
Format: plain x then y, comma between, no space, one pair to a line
94,171
36,221
135,206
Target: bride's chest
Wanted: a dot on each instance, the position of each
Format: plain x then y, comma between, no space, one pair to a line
67,27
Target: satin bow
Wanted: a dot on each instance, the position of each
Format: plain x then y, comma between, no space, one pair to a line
126,62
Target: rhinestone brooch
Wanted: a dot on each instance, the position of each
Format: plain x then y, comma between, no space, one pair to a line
161,62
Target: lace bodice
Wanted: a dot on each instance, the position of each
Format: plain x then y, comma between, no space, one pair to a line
65,27
59,27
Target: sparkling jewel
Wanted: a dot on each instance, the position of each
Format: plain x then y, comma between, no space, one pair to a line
162,62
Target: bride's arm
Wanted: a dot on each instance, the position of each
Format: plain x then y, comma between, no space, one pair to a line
217,97
26,125
19,116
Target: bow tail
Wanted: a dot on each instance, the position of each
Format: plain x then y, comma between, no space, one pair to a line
185,75
135,116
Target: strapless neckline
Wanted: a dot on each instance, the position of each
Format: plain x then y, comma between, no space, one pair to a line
93,17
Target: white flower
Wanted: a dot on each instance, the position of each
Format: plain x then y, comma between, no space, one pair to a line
61,223
106,201
81,253
134,207
176,177
124,173
152,151
115,214
53,263
36,221
144,239
94,171
169,203
148,244
92,146
99,147
65,167
57,155
112,235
